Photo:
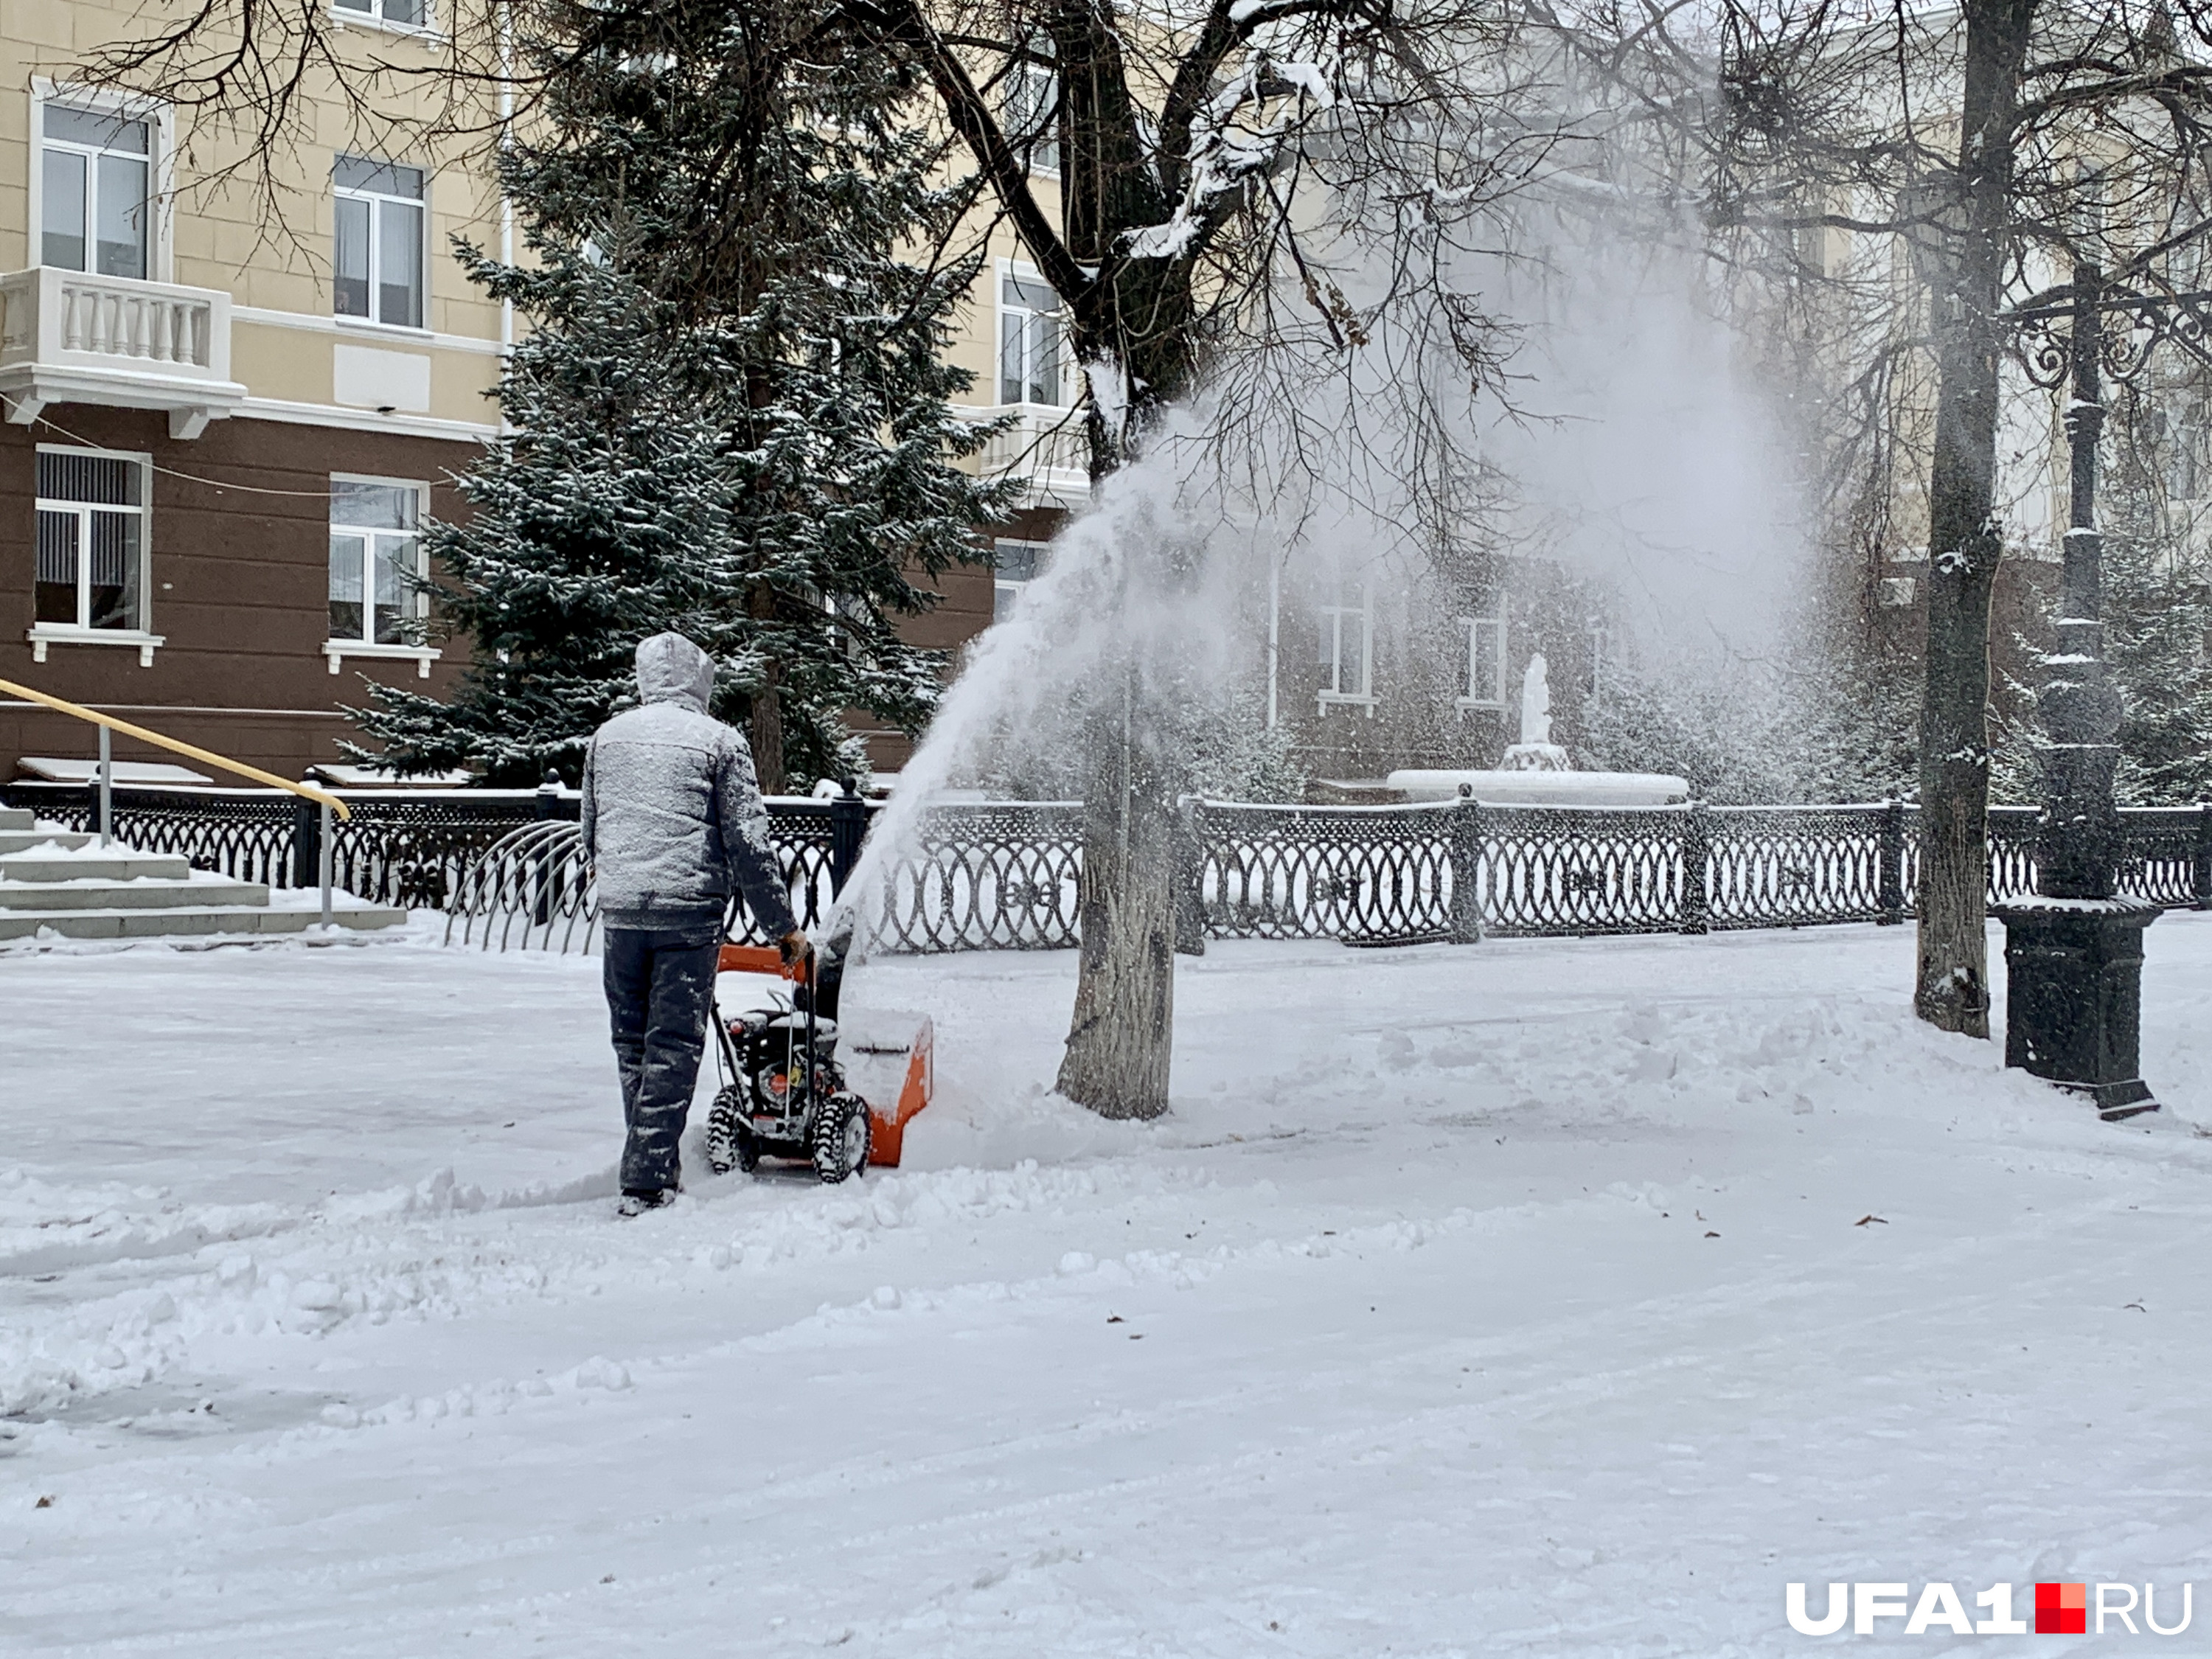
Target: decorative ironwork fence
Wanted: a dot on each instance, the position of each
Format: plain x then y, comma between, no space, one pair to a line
507,867
1368,874
405,847
243,833
992,876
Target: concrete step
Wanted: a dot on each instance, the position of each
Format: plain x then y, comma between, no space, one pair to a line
213,920
15,817
116,864
46,896
17,840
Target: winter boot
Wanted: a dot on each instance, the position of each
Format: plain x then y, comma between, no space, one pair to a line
648,1197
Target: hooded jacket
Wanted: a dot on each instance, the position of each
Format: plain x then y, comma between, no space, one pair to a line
673,817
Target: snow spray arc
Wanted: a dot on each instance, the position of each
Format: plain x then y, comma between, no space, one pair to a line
1155,571
2060,1609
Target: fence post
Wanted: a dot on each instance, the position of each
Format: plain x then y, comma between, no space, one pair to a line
107,787
1189,880
1697,843
1889,885
1467,868
848,828
306,843
2202,875
544,878
325,849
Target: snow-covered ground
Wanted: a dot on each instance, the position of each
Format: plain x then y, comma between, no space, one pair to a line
1545,1298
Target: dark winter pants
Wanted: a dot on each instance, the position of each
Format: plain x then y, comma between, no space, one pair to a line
660,993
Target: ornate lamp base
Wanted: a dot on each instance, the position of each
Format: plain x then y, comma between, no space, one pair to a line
2074,970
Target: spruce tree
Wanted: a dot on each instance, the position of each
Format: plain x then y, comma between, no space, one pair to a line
730,415
2157,574
2158,592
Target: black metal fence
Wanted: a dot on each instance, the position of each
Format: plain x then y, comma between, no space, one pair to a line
418,849
405,847
1003,875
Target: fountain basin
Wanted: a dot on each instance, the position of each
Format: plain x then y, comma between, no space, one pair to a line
1543,788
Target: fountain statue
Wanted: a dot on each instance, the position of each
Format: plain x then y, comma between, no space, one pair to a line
1536,752
1537,772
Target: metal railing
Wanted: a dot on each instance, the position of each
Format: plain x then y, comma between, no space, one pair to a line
505,866
1003,876
108,725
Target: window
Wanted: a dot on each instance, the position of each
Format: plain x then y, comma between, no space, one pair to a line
2182,433
1017,564
400,13
1029,341
1347,639
1032,115
379,263
1485,663
91,559
94,202
375,560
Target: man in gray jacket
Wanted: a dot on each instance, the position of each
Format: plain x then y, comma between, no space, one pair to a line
672,821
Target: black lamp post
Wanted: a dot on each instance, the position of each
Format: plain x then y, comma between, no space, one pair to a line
2074,950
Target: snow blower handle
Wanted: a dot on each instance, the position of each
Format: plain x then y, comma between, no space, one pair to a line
765,959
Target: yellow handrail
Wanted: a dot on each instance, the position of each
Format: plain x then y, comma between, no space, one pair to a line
79,712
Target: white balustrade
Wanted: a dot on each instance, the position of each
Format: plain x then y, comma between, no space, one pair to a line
98,317
1048,446
70,335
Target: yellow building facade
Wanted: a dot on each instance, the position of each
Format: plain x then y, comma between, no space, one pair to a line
237,377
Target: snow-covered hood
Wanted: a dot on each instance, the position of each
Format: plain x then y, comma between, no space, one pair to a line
671,669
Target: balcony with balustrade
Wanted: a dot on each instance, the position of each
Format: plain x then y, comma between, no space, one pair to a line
1044,446
68,337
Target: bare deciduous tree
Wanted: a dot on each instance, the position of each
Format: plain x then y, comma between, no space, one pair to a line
1241,185
1992,147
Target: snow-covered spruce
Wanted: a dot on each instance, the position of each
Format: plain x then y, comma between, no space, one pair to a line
728,415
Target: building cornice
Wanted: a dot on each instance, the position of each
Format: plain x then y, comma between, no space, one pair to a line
368,420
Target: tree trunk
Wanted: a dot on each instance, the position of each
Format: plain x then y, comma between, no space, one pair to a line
1121,1039
765,721
766,734
1951,987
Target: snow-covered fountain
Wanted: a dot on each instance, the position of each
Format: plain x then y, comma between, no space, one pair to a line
1537,772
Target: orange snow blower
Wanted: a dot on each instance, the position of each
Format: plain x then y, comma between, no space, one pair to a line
786,1094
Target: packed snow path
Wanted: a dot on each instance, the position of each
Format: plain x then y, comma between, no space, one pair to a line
1532,1298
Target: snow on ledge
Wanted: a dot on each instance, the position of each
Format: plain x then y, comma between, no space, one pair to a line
1543,788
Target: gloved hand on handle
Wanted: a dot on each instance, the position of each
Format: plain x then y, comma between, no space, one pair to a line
795,948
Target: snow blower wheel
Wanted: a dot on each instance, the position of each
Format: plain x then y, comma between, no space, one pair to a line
841,1137
730,1141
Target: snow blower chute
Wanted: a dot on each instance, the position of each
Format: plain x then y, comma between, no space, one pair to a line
786,1092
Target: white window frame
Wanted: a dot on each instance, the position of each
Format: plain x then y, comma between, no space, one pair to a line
2186,422
373,323
1332,619
1474,696
336,651
1030,106
160,174
142,639
1007,591
1013,269
373,18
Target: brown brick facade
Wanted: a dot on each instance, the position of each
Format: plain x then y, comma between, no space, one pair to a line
239,588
